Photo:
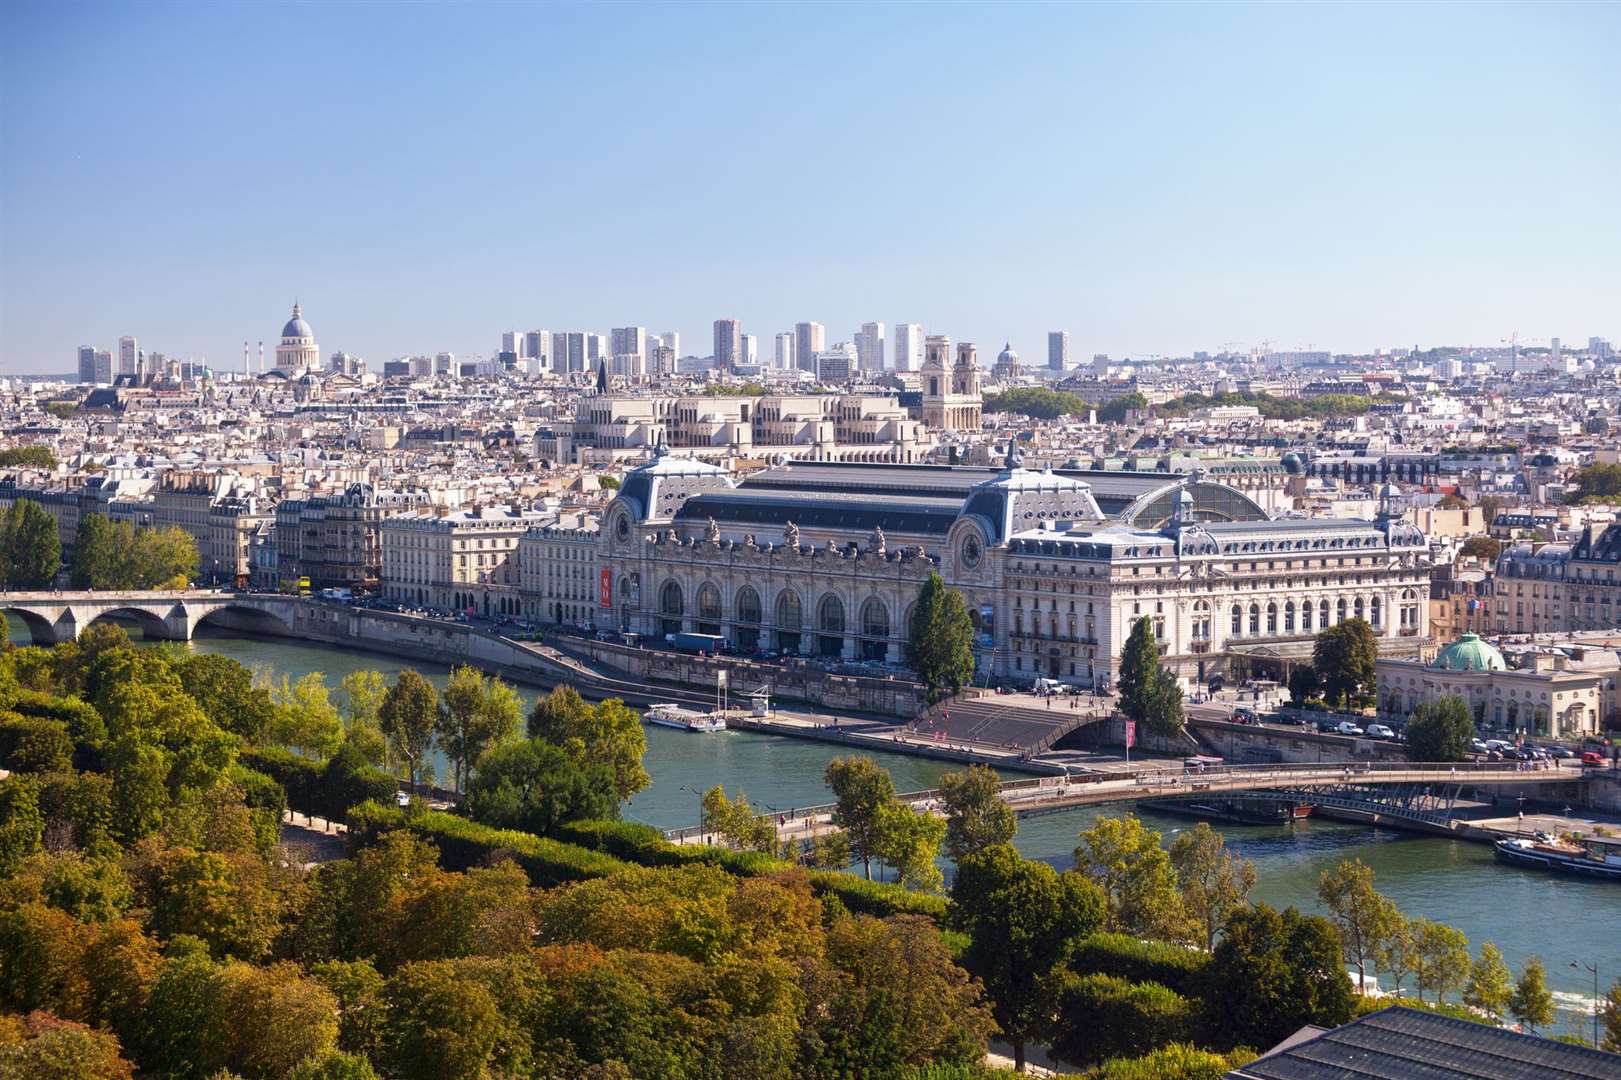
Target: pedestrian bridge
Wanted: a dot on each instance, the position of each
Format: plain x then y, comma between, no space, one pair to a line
53,617
1418,792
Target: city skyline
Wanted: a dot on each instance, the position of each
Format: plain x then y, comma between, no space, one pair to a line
1343,188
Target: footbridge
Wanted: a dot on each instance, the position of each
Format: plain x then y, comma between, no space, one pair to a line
54,617
1412,792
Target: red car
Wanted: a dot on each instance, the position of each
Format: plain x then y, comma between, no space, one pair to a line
1592,758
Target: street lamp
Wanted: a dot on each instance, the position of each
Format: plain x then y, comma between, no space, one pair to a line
693,791
1578,965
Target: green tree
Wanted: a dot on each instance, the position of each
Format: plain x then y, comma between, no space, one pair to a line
92,553
737,822
1022,918
940,639
1039,402
53,1049
860,788
909,841
1164,703
976,814
1531,1003
408,713
1139,665
1215,882
1483,548
225,690
305,719
1134,872
28,457
532,786
1366,919
1344,656
1439,960
1597,482
1113,412
1276,974
360,696
1303,684
1610,1017
1440,730
1103,1016
439,1025
475,713
1490,983
29,546
607,733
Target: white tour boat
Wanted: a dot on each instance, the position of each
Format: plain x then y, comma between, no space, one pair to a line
674,716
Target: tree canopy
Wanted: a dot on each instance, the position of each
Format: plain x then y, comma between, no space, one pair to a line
30,551
118,555
1440,730
940,640
1343,656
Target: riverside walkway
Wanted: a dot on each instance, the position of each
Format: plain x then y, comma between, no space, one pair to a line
1426,791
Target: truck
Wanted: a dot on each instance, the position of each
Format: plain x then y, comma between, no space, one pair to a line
701,644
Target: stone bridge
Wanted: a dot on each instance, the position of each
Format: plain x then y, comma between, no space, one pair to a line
53,617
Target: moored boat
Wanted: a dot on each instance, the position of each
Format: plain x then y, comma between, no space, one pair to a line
1240,810
1593,856
674,716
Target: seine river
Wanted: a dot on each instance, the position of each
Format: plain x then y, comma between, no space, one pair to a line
1451,881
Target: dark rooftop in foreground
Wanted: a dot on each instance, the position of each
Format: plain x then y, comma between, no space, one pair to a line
1406,1044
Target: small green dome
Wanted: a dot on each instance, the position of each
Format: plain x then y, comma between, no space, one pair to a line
1469,653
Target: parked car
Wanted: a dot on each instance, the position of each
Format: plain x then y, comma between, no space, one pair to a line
1494,755
1327,726
1592,759
1498,744
1244,716
1560,752
1346,727
1379,731
1478,746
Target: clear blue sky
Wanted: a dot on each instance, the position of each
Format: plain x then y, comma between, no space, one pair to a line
1154,178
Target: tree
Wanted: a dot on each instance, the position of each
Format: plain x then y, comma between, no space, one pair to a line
28,457
53,1049
1597,482
940,639
1366,919
1452,501
1344,656
1022,918
976,814
92,552
30,549
1439,959
1126,861
1483,548
474,714
305,719
225,690
1163,706
439,1025
1440,730
860,788
360,696
1215,882
1531,1003
1139,664
909,841
1276,974
408,714
1303,684
1105,1016
737,822
607,733
1490,984
532,786
1610,1017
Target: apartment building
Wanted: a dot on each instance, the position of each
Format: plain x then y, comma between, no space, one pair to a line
456,560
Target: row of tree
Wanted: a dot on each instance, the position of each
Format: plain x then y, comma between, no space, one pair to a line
119,555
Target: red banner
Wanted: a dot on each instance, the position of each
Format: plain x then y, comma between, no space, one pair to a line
606,589
1131,734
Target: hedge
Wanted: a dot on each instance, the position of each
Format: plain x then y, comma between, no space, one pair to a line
1175,966
1180,1060
646,846
463,844
298,776
1104,1016
314,789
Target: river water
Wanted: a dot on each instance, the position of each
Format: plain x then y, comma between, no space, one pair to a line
1525,913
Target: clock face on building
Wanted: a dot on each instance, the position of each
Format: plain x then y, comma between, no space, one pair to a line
971,552
622,527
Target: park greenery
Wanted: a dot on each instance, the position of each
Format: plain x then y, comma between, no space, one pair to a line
940,639
1321,407
28,457
1441,729
120,555
1045,403
1481,547
166,908
1343,657
1595,483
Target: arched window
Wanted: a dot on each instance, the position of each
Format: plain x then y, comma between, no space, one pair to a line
1373,608
1272,618
708,603
670,601
1289,617
1255,619
1358,608
789,614
1322,615
874,618
1339,610
1305,615
1238,620
830,615
748,605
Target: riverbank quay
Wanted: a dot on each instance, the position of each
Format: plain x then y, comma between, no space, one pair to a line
859,733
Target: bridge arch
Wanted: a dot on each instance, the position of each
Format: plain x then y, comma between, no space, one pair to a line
41,630
243,617
152,624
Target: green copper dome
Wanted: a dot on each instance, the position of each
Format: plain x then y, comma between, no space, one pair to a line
1469,653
